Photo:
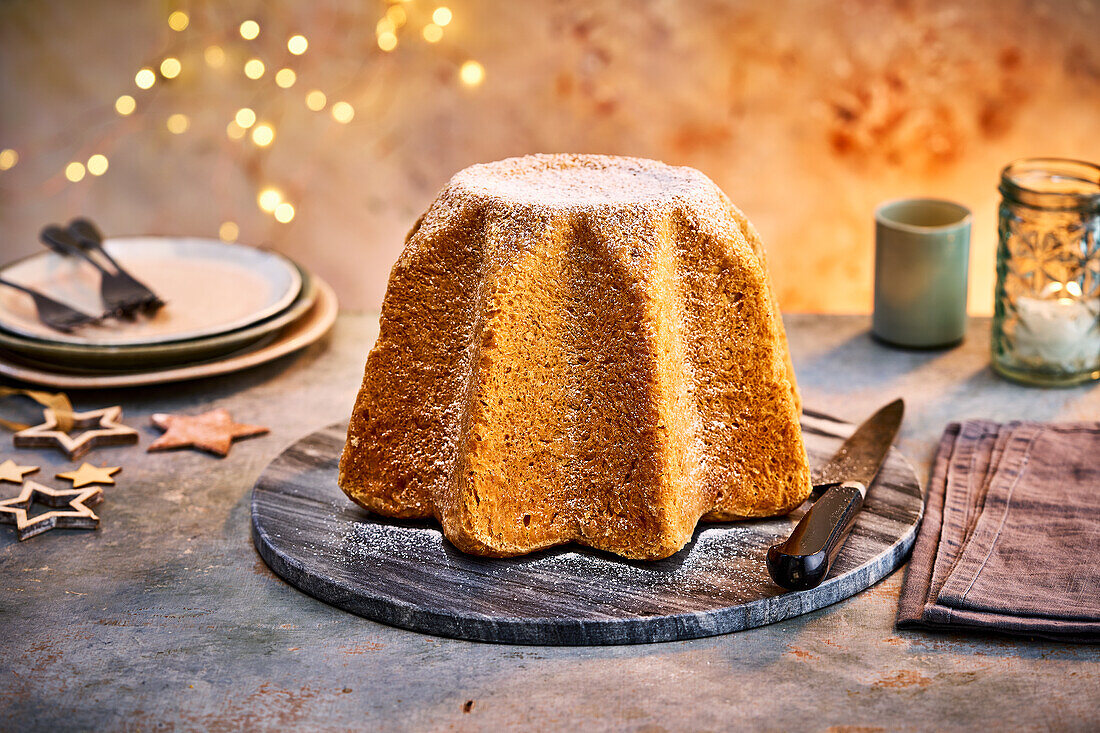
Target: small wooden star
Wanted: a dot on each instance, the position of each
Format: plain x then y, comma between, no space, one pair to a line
14,511
212,431
89,474
106,430
9,471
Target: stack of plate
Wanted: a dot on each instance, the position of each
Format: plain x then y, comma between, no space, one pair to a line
228,307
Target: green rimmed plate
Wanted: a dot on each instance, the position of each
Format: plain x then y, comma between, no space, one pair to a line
76,358
209,288
312,326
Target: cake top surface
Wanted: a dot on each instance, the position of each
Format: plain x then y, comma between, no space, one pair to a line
564,180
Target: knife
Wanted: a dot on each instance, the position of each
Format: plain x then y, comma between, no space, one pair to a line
804,559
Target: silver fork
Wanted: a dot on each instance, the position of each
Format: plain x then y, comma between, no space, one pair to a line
121,293
57,316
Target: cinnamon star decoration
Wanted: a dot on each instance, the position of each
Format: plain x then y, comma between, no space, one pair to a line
79,516
106,430
9,471
212,431
89,474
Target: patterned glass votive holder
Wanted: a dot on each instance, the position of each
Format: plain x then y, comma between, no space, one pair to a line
1046,321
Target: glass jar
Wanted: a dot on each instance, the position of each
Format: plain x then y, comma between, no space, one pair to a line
1046,319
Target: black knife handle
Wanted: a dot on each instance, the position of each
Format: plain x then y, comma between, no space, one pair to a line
804,559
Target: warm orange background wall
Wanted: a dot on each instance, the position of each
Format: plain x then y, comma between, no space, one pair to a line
806,113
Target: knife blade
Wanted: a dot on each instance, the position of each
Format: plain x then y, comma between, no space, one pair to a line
804,559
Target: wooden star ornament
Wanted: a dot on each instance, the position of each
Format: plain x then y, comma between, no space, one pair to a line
89,474
78,516
10,471
212,431
105,426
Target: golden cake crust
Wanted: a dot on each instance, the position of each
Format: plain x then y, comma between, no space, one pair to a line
578,348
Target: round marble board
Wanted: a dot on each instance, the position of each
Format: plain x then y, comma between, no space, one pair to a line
405,574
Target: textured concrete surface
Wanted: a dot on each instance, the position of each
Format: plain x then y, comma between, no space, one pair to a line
167,618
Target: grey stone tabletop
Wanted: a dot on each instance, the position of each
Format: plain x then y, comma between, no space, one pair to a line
166,617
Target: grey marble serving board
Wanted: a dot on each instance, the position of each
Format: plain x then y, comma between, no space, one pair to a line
405,574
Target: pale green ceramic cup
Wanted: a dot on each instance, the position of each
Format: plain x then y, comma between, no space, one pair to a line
922,250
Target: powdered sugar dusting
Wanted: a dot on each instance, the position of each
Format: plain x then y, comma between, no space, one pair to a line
579,181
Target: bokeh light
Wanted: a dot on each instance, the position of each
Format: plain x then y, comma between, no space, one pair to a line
170,67
316,100
263,135
145,78
432,33
245,117
97,164
387,41
74,171
254,68
178,123
8,159
397,15
472,73
234,131
229,231
125,105
269,198
284,212
178,21
249,30
297,45
442,16
215,56
343,112
285,78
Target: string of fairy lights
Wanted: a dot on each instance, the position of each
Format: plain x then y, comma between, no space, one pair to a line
247,125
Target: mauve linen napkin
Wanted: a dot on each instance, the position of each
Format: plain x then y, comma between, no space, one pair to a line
1010,540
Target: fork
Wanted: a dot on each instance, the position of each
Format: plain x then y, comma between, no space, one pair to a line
121,293
89,238
57,316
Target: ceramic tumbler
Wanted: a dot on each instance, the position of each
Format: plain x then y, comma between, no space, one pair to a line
922,250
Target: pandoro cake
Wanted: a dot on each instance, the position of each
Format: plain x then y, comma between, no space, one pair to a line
578,348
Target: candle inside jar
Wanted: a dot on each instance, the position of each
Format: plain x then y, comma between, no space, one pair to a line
1061,332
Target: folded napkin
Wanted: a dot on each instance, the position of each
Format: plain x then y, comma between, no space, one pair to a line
1010,540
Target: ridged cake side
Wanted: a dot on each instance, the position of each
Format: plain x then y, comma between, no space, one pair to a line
561,362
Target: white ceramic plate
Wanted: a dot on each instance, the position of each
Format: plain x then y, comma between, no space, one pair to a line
303,332
209,288
77,358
